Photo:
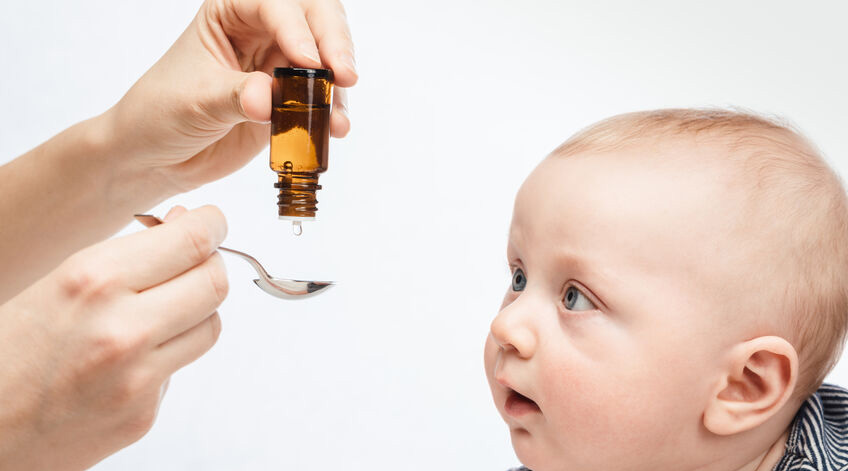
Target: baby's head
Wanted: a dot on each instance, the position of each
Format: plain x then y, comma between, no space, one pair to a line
678,289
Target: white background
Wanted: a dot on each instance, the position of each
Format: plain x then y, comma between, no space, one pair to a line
458,100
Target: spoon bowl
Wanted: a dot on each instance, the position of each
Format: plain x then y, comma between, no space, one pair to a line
278,287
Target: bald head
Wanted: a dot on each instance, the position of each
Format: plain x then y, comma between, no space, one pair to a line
794,215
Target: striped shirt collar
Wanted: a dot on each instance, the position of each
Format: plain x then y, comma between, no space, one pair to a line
818,439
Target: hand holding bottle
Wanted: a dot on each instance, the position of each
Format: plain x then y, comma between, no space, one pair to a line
201,111
88,349
198,114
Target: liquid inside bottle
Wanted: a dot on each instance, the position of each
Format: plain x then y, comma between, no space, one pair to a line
300,134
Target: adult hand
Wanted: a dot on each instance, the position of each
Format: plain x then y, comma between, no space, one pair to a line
88,349
201,111
198,114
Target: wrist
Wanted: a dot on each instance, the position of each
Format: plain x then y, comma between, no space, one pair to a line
114,154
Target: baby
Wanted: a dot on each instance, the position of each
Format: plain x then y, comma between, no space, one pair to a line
679,292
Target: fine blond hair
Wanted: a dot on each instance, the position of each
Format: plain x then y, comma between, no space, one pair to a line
793,191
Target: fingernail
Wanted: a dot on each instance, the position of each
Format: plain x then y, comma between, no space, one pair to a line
172,212
345,102
308,50
349,62
343,111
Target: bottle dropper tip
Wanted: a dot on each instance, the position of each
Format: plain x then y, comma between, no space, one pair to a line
297,229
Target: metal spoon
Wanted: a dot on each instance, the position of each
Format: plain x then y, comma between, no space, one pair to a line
279,287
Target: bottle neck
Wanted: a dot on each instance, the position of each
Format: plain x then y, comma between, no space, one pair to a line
297,194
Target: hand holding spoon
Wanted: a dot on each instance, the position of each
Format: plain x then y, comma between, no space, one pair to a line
279,287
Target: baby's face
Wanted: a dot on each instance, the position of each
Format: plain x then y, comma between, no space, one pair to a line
619,312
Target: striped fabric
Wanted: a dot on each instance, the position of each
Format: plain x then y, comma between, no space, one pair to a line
818,439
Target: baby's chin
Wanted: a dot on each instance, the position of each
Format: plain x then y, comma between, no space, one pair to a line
533,453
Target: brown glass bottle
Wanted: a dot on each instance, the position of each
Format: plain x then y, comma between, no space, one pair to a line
300,135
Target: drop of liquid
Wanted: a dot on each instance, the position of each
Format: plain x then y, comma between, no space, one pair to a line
297,229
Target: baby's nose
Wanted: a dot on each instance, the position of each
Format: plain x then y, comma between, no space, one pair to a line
512,330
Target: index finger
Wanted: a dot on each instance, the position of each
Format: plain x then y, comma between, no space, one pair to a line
297,25
328,22
153,256
285,22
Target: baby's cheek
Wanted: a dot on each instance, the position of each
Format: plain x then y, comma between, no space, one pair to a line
592,408
576,397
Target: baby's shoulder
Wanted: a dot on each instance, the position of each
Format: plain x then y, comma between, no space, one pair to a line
818,436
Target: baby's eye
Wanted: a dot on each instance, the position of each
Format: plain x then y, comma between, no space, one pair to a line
518,280
574,300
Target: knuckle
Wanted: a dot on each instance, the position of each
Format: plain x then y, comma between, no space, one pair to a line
348,38
199,240
217,274
205,229
113,345
139,423
81,278
135,388
137,427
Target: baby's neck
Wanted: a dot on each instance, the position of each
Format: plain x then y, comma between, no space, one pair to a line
767,461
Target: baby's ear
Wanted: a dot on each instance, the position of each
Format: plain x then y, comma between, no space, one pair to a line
759,381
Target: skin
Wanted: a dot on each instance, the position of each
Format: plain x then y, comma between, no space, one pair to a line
200,113
658,364
91,333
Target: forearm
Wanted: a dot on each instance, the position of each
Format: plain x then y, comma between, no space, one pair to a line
68,193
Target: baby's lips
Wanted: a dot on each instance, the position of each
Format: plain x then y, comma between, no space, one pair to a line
501,379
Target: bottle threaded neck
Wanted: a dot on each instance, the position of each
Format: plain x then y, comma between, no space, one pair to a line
297,194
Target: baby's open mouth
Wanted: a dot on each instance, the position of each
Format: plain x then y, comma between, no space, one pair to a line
518,404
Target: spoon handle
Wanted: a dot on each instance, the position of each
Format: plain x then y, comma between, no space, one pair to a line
260,270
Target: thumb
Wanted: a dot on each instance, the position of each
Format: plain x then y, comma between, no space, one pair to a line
174,213
242,97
